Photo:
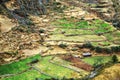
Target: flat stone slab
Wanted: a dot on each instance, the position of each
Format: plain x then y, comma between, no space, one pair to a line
6,24
29,52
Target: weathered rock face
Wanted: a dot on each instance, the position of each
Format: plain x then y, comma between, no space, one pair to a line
116,18
108,10
18,39
6,24
23,34
105,9
76,12
79,13
31,6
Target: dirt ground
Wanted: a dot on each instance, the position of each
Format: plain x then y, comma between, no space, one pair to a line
77,62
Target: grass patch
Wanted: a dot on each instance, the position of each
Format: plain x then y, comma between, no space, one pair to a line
20,66
82,24
29,75
81,38
82,28
55,70
44,65
16,67
72,31
97,59
98,25
102,44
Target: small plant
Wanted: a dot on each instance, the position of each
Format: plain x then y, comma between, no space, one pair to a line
41,31
30,23
87,45
62,45
114,59
74,49
82,18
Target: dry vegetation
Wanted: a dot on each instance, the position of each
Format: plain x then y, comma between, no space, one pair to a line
111,73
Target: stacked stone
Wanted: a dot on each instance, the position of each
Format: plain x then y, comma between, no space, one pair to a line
105,9
104,3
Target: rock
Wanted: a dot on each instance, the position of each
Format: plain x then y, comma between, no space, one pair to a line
107,15
104,9
103,1
45,20
20,13
7,59
86,50
6,24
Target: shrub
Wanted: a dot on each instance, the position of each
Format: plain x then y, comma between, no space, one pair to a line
98,49
62,45
88,45
29,23
79,46
74,49
107,50
114,59
115,48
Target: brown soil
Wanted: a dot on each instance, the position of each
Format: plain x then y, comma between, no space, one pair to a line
77,62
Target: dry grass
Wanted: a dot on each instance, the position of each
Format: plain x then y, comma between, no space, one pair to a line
81,38
111,73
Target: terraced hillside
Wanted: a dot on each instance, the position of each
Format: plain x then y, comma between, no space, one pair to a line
64,38
53,45
72,30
